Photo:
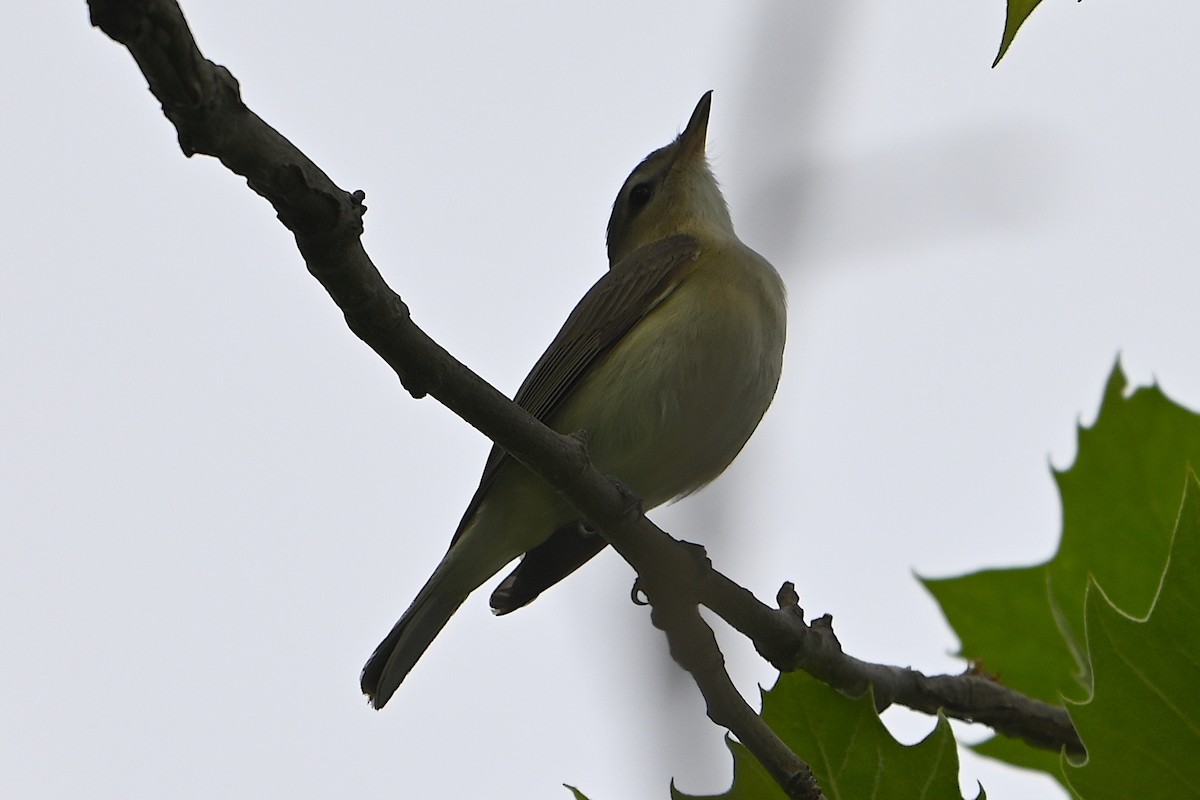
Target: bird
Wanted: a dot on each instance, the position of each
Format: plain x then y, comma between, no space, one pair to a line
667,365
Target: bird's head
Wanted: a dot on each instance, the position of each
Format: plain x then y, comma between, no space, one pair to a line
671,191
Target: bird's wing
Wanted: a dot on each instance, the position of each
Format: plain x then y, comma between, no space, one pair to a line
568,548
619,300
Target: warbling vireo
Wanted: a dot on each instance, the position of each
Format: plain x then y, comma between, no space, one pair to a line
668,363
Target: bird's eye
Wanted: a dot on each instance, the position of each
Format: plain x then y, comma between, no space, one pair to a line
639,195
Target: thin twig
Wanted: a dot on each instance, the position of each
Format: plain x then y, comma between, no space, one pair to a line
783,637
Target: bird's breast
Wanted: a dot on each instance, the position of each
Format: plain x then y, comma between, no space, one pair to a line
677,398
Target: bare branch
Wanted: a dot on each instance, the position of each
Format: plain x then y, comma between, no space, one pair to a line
202,100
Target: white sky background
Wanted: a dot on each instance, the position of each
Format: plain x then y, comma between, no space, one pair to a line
214,500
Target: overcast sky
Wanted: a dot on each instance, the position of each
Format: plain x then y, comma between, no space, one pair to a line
214,500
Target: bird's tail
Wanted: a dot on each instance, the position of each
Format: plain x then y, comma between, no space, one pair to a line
494,531
409,639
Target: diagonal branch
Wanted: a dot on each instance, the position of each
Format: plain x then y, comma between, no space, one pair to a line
203,102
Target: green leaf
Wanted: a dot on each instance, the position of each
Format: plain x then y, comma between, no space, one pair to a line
1019,754
578,795
1121,500
1119,504
1142,724
1022,647
1015,15
852,754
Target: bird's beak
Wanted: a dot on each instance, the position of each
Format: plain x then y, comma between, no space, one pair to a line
691,141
